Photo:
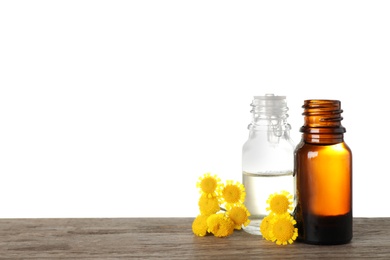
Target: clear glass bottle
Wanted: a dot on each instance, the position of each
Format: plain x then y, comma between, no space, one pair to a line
267,156
323,173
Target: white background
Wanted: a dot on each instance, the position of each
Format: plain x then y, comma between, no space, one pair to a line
115,108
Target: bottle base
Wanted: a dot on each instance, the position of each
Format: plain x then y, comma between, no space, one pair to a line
254,227
321,243
325,230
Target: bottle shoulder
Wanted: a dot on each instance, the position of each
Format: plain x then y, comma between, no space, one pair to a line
269,140
304,148
257,144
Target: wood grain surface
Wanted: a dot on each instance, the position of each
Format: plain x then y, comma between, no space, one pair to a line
170,238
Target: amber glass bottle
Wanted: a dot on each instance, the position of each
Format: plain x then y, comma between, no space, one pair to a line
323,175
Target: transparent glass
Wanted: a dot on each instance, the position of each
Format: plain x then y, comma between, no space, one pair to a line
267,156
323,173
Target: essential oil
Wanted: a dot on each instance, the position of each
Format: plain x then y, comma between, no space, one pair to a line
258,188
267,156
323,174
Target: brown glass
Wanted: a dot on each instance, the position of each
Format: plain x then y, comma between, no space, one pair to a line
323,175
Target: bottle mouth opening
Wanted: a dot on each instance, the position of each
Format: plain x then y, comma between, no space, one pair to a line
269,97
321,106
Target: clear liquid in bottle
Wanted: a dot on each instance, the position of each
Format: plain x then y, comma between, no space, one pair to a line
258,188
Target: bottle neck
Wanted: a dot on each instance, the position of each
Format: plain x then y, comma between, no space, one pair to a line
269,118
277,124
269,110
322,122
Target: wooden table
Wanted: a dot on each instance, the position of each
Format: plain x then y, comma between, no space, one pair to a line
169,238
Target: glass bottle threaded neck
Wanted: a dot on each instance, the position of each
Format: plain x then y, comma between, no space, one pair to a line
269,107
322,121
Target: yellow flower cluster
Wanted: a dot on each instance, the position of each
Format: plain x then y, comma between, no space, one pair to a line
279,225
221,207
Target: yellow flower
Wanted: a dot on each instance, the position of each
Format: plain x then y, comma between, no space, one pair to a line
208,205
220,225
265,227
208,184
199,226
232,193
282,230
239,215
280,203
